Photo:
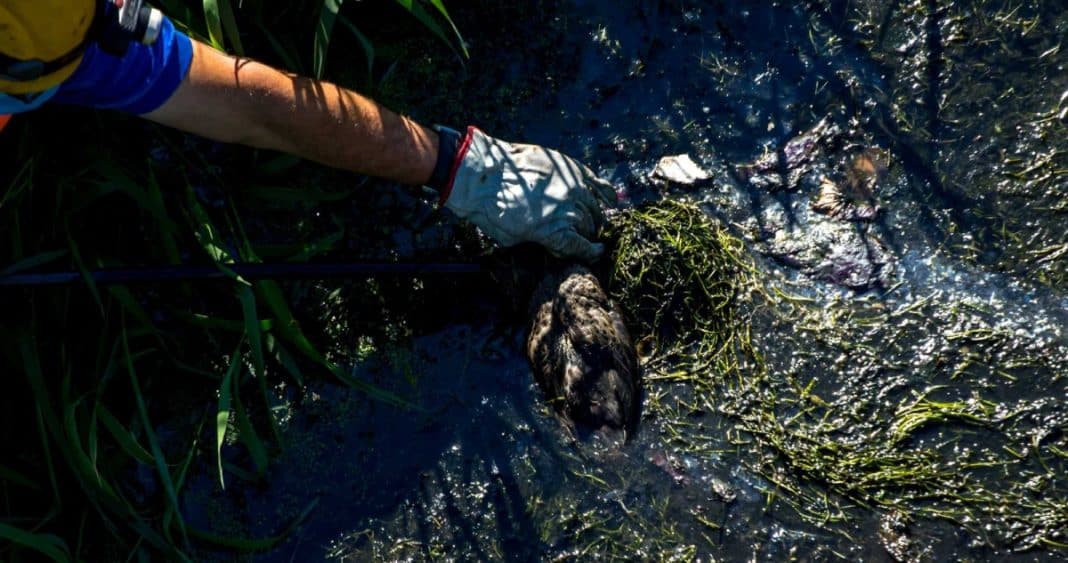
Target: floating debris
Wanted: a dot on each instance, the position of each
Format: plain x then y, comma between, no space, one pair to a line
723,490
679,169
783,170
894,537
853,198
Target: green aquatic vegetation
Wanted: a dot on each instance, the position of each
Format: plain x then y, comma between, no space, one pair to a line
923,411
828,449
678,275
230,26
975,88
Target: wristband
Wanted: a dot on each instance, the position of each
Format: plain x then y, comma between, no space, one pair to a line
448,144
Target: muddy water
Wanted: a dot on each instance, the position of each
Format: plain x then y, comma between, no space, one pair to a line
968,309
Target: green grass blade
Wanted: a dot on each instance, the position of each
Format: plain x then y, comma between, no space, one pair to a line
323,31
445,13
283,357
206,234
49,426
131,306
248,436
222,415
274,164
179,479
204,321
123,437
181,14
252,328
368,47
46,544
85,272
16,478
153,443
20,182
164,224
229,23
288,329
317,247
255,341
99,493
73,436
42,434
417,10
33,262
214,22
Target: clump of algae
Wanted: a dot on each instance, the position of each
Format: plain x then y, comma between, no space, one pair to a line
678,275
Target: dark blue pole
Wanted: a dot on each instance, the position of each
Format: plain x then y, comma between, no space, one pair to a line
249,271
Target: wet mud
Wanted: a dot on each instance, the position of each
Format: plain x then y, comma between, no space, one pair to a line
904,391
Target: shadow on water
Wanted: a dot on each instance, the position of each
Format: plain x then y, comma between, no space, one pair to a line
443,476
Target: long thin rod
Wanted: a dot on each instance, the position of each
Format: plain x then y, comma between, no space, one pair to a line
250,271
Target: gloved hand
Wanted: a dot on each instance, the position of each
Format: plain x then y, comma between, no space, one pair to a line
518,193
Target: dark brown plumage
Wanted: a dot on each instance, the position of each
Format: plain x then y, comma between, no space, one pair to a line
581,353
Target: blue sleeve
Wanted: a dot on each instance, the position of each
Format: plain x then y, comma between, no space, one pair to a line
138,82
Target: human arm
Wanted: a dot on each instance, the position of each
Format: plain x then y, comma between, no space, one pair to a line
513,192
238,100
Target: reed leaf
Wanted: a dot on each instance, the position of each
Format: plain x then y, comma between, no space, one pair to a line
229,24
222,414
323,30
282,356
365,43
416,9
248,436
213,19
207,322
84,271
48,545
16,478
252,328
153,443
123,437
289,330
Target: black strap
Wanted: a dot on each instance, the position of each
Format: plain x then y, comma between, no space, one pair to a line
19,70
448,144
103,30
26,70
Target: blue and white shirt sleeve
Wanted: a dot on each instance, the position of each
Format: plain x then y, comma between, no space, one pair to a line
138,82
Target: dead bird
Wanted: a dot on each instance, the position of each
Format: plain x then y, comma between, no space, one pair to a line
582,356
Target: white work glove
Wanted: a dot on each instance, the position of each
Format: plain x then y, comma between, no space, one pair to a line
518,193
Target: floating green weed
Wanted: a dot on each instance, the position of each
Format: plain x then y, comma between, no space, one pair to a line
687,282
678,275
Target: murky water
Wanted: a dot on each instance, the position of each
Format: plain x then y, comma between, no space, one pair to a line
952,360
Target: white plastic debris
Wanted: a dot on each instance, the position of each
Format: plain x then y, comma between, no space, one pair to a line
680,169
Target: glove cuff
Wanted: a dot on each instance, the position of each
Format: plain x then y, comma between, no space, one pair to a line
448,144
445,167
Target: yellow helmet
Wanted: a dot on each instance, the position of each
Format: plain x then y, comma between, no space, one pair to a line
41,42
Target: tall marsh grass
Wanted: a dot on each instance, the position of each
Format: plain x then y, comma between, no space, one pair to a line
113,392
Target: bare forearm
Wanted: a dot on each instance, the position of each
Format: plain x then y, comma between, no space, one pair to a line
242,101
